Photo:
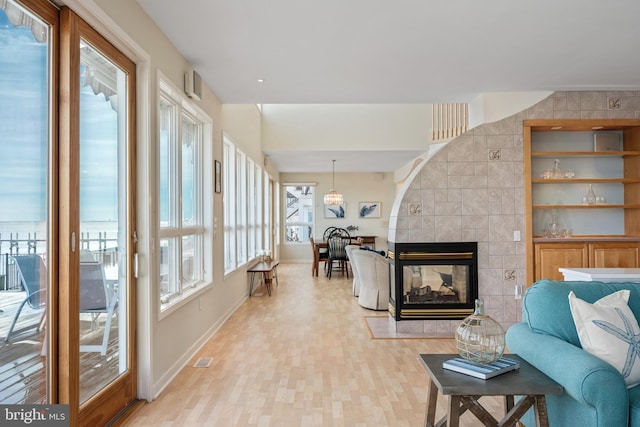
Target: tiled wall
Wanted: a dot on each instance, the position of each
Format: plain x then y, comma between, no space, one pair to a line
473,190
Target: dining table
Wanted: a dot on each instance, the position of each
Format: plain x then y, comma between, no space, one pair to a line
323,244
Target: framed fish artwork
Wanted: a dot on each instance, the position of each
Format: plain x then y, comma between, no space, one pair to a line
369,210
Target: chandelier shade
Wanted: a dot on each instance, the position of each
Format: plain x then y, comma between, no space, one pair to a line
333,197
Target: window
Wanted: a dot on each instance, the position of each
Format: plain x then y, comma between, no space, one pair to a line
299,212
267,212
182,180
241,203
276,214
251,217
259,208
229,158
245,210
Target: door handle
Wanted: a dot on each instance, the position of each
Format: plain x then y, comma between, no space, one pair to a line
135,265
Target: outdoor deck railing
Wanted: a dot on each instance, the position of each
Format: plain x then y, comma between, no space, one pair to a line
103,249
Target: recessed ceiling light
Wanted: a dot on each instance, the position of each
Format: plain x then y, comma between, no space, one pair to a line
260,80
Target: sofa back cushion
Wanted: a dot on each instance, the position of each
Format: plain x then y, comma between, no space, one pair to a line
545,307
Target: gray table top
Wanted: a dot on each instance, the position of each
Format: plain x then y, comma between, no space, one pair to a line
524,381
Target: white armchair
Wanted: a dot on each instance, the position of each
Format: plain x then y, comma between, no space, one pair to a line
356,283
372,271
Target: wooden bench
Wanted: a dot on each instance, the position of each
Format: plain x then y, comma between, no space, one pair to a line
265,268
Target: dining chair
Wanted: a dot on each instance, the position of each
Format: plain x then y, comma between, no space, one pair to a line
338,254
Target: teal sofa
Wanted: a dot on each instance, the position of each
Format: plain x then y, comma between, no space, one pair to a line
595,393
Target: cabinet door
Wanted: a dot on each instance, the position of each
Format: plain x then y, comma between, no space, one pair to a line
549,257
613,255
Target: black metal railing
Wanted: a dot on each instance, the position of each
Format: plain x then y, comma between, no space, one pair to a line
99,245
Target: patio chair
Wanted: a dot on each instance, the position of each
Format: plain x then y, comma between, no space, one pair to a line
96,298
31,272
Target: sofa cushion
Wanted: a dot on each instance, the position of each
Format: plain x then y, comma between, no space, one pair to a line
608,330
545,307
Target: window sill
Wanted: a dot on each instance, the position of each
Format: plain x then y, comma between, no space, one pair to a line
181,300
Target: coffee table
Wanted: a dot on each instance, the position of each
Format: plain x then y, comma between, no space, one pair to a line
463,392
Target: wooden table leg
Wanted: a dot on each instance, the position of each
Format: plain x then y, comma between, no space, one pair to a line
316,261
453,412
541,411
432,400
508,403
267,282
275,274
251,283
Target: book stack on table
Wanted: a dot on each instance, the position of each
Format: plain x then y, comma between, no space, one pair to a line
481,370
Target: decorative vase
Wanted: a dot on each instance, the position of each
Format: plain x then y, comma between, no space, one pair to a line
590,198
557,172
553,229
479,338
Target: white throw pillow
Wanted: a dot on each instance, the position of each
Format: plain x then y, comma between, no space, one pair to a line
609,330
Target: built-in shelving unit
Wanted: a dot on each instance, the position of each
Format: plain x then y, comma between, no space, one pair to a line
607,232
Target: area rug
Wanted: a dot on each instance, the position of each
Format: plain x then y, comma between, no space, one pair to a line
382,328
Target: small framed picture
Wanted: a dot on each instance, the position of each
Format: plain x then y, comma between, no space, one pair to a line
218,177
334,211
369,210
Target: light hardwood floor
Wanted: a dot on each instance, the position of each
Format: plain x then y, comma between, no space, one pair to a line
302,357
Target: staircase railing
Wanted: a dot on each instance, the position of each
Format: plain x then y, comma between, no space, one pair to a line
449,120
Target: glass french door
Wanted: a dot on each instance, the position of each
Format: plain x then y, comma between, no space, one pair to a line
97,236
27,261
67,242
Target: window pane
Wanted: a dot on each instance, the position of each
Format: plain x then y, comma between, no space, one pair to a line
228,168
103,219
259,209
267,212
298,233
299,213
188,246
166,117
251,217
189,145
241,205
168,273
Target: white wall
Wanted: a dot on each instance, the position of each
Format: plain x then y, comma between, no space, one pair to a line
243,123
356,187
493,106
318,127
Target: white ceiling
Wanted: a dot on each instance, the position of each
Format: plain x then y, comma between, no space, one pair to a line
403,51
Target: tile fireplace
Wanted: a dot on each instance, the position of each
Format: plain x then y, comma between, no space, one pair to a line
433,280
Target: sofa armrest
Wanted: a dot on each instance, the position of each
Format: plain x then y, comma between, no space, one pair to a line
586,378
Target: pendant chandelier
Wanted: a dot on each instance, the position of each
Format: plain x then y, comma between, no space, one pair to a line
333,197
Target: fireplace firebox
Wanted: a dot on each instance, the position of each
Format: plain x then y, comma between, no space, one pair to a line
433,280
